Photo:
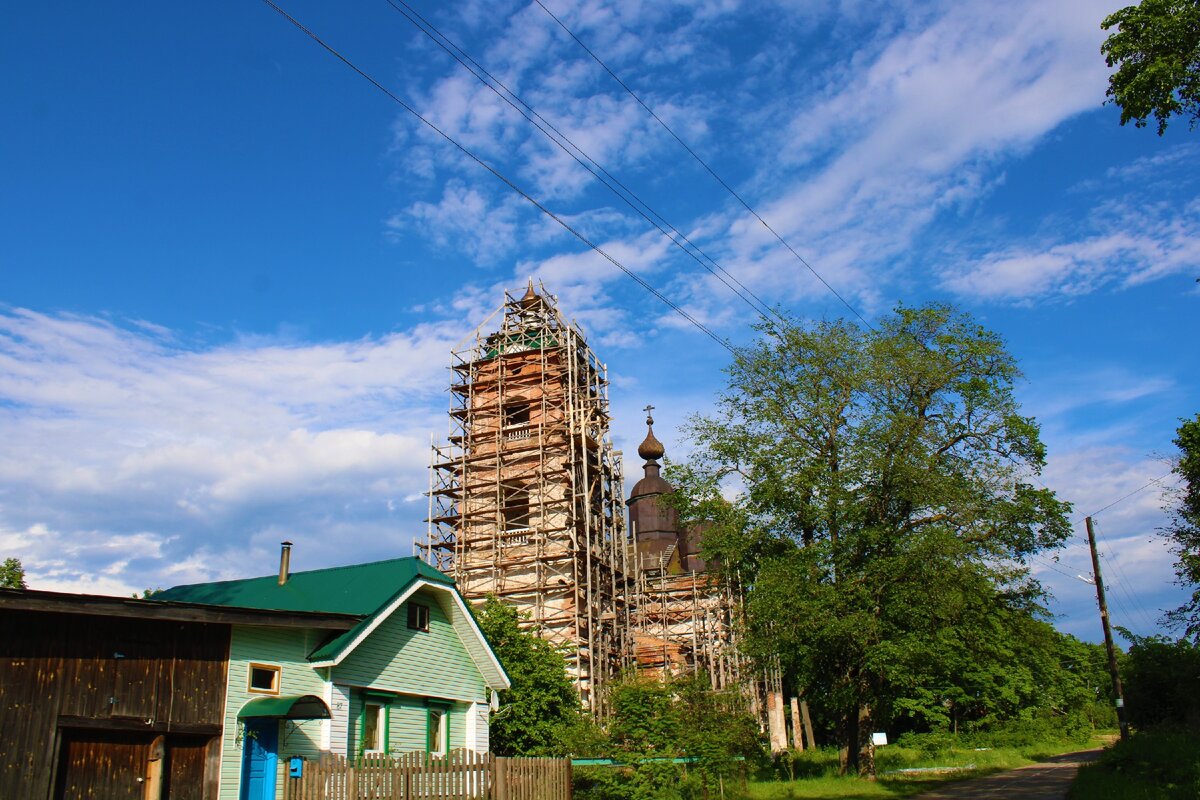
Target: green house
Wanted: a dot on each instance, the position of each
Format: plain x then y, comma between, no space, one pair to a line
402,667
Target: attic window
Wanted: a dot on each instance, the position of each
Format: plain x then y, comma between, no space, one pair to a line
418,617
263,679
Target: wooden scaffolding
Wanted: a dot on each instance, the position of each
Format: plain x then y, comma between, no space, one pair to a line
525,499
686,622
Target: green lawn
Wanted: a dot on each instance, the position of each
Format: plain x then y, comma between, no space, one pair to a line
816,772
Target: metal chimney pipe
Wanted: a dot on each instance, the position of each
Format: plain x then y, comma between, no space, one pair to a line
285,561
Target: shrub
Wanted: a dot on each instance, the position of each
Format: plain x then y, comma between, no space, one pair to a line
930,744
1163,763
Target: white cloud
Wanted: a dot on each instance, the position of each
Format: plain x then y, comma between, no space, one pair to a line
465,219
127,454
1140,248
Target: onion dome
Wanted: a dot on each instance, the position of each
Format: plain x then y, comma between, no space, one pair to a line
651,448
531,299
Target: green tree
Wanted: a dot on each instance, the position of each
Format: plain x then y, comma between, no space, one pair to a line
882,512
12,574
1184,528
541,713
1162,681
1156,50
654,721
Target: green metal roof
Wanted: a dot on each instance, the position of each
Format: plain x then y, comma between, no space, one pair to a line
358,589
293,706
333,648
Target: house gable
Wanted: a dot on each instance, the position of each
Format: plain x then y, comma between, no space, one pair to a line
454,610
428,663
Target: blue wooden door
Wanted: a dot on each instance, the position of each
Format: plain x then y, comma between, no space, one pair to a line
260,747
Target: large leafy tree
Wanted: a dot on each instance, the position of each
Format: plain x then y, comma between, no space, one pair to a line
882,510
1184,529
1156,50
540,713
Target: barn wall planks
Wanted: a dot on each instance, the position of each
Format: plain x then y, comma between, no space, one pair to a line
83,689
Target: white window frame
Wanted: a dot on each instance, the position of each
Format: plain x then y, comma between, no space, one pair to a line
440,735
381,721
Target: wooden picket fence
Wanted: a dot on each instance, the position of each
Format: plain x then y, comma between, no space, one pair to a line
461,775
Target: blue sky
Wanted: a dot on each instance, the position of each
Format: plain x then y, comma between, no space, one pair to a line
232,270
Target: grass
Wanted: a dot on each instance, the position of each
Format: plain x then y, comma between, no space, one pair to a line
816,771
1159,764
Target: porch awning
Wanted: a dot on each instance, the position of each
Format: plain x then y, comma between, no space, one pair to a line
288,706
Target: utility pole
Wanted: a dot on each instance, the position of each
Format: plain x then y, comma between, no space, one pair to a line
1108,640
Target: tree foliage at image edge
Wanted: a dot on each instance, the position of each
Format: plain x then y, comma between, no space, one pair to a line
1156,50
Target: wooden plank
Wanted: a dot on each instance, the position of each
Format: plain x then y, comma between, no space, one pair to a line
460,775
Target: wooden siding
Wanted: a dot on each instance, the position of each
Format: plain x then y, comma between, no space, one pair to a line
481,712
288,648
76,684
408,725
432,663
339,707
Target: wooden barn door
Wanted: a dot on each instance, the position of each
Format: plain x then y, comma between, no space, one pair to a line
132,765
103,765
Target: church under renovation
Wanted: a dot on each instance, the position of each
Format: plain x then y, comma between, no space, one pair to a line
526,502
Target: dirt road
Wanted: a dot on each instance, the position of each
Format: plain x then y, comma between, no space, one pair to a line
1046,780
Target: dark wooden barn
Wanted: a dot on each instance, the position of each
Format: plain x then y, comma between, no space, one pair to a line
104,697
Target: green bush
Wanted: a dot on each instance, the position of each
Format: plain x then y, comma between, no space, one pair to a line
1162,764
1043,728
652,722
930,744
1162,682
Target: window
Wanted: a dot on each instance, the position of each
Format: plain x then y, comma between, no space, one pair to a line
514,505
263,679
374,727
418,617
516,414
374,720
438,731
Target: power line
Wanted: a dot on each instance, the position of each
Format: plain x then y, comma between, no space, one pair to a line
704,164
1125,585
1123,498
529,198
568,146
1079,574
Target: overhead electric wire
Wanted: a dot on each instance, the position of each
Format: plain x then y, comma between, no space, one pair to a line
1123,498
610,181
704,164
1055,566
625,194
1125,587
528,197
1123,584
